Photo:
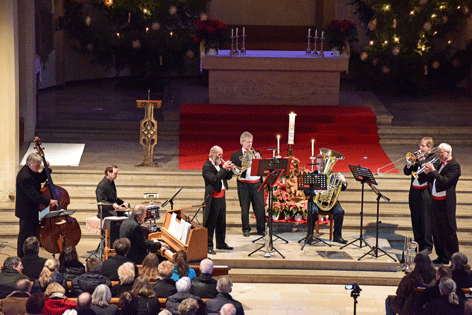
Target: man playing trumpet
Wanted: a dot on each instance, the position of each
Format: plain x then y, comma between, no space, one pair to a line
216,172
419,198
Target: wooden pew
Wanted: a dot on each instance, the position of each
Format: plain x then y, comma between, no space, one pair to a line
116,301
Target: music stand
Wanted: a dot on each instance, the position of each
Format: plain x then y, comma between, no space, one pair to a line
55,214
260,167
375,250
171,200
311,182
269,183
363,175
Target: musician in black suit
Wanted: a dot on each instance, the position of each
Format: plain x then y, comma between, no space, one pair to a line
419,198
248,187
216,174
443,207
29,197
106,192
131,229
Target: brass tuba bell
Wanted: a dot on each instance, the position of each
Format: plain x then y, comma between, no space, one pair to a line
326,199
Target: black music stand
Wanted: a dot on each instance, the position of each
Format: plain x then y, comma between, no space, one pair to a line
269,183
311,182
171,200
260,167
375,250
363,175
55,214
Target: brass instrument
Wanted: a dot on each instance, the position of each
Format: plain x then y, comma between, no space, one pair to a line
410,158
234,168
421,170
326,199
246,161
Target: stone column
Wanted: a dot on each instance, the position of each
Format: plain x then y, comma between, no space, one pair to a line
9,118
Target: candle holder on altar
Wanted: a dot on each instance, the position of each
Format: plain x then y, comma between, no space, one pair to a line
243,49
315,51
148,130
312,158
321,48
308,48
236,49
231,52
290,150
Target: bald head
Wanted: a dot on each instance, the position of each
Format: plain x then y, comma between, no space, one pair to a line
228,309
206,266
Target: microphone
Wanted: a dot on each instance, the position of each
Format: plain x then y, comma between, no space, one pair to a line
153,207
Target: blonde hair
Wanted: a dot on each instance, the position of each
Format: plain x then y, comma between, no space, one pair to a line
54,287
150,265
126,273
50,266
166,269
142,287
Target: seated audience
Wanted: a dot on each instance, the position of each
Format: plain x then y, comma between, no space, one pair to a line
32,263
181,268
35,304
15,302
423,275
126,275
49,274
129,303
461,273
432,293
224,287
148,303
449,303
88,281
69,264
101,298
150,267
111,265
228,309
12,272
204,285
165,286
183,292
188,307
84,304
165,312
57,302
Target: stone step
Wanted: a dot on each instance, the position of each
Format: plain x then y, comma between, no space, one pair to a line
391,135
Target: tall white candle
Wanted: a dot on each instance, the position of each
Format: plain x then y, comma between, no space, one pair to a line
244,30
322,34
316,33
236,32
309,32
278,144
312,147
291,127
232,33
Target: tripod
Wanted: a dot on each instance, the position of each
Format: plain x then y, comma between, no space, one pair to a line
101,245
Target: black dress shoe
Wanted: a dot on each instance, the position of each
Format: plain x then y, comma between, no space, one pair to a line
211,251
246,233
441,261
224,246
340,240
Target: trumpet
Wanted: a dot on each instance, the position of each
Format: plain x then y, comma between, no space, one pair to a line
421,170
410,158
234,168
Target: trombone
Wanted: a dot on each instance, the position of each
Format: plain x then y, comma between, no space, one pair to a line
410,158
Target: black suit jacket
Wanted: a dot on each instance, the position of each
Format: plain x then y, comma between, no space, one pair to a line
164,288
236,161
422,178
131,229
111,265
204,286
214,306
106,191
32,265
212,179
28,196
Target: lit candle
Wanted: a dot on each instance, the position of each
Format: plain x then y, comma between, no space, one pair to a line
322,34
312,147
316,33
232,35
278,144
244,30
236,32
291,127
309,32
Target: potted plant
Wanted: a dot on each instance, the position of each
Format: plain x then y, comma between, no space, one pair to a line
211,34
341,34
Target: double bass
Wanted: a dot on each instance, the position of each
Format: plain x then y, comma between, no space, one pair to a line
62,231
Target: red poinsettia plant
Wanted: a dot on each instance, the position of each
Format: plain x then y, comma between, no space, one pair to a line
340,33
213,32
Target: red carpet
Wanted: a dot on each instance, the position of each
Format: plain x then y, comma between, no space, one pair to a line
351,131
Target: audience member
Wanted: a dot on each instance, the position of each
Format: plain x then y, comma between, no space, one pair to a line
101,298
48,274
432,293
12,272
165,286
111,265
35,304
165,312
129,303
148,303
188,307
88,281
69,264
57,301
228,309
150,267
224,287
468,307
204,285
15,302
181,268
183,292
84,304
126,275
32,263
422,276
449,303
461,273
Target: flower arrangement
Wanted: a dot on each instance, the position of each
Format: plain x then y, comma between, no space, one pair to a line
341,33
212,32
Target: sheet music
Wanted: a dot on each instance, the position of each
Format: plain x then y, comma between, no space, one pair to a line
185,231
43,213
172,223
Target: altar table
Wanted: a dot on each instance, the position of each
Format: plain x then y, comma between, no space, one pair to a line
274,77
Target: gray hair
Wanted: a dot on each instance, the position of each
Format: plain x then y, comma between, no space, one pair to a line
138,211
33,158
228,309
446,147
244,135
447,286
214,150
11,262
126,273
459,261
224,285
165,312
188,306
206,266
23,285
183,285
102,295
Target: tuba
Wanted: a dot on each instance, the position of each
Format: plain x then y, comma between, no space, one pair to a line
246,161
326,199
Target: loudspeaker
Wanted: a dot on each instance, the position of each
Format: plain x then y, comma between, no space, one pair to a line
114,232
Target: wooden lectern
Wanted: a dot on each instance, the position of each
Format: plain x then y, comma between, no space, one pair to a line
148,130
